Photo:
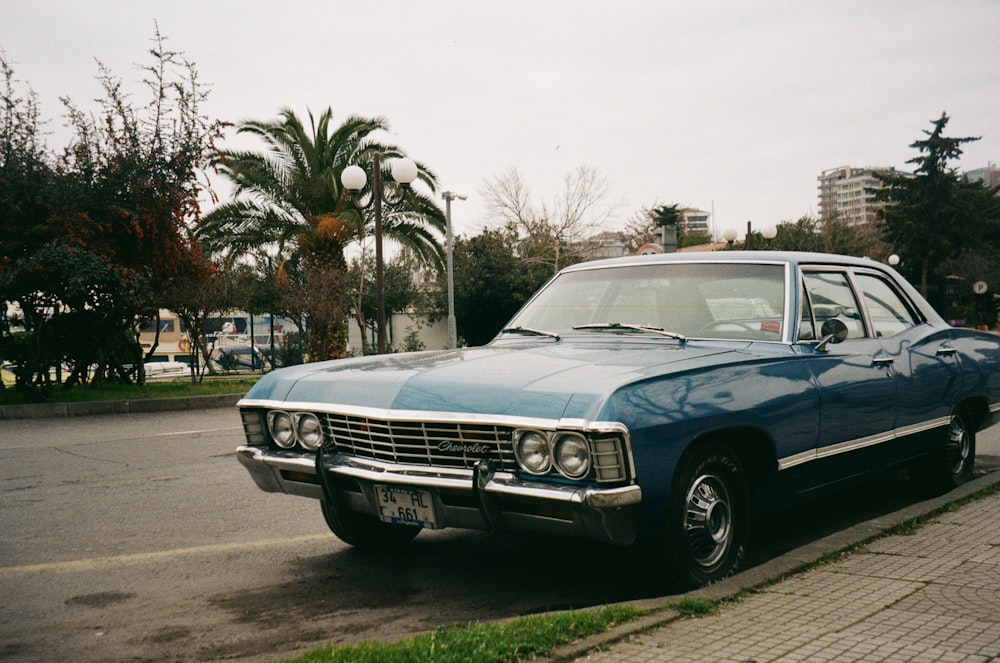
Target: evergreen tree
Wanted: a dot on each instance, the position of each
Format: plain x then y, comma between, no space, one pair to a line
935,214
493,279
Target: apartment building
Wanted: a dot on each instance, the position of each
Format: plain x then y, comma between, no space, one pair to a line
694,221
849,194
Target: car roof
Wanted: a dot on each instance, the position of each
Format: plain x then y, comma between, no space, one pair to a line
791,258
784,257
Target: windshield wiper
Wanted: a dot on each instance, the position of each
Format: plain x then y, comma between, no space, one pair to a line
645,328
529,331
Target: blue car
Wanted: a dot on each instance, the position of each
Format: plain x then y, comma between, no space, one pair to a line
660,400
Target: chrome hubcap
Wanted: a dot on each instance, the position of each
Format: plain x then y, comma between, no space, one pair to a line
959,446
709,520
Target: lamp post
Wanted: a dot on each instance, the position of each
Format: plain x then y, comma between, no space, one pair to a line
452,328
404,171
730,236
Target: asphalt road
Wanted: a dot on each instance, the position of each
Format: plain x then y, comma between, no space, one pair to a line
139,537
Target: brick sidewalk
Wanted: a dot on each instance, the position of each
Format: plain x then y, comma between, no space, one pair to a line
933,595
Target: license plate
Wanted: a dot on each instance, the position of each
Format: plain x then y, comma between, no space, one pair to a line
406,506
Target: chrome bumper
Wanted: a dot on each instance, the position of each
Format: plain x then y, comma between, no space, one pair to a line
474,499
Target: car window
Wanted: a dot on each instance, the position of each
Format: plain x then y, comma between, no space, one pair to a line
738,301
887,310
807,327
831,296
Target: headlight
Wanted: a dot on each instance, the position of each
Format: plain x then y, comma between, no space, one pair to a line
572,455
282,428
532,451
310,432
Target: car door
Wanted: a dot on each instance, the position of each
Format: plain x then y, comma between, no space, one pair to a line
855,379
925,364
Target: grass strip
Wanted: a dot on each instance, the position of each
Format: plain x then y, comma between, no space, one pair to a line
481,642
127,392
694,607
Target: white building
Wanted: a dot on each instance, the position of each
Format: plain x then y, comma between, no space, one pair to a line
848,194
695,221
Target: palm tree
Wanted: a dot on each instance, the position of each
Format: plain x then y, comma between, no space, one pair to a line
288,198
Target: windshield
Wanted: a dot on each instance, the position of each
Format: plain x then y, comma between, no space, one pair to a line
700,300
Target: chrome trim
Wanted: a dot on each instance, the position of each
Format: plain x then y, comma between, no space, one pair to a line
923,426
396,474
606,514
501,482
786,331
995,407
614,498
431,416
860,443
266,465
453,418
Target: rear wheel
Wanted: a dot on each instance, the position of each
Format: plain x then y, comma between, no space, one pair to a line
950,462
708,518
364,531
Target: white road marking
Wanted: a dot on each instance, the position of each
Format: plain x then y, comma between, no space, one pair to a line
138,558
196,432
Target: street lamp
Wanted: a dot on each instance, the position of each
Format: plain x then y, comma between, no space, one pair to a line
769,234
404,171
730,235
452,329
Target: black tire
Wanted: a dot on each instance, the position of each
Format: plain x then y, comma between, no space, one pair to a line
708,518
950,462
364,531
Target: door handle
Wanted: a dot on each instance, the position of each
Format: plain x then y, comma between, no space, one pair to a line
884,363
946,351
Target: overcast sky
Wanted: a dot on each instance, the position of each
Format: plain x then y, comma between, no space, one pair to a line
732,106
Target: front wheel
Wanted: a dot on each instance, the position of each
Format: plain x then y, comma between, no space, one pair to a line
708,518
950,462
364,531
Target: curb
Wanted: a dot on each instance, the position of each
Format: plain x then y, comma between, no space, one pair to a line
791,563
85,408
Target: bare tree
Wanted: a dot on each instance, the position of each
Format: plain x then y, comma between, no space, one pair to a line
508,199
555,228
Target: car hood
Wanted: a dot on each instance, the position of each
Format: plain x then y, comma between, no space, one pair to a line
548,380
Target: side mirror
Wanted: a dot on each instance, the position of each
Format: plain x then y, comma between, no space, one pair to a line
833,331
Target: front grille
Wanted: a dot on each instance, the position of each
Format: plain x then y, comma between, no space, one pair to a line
456,445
